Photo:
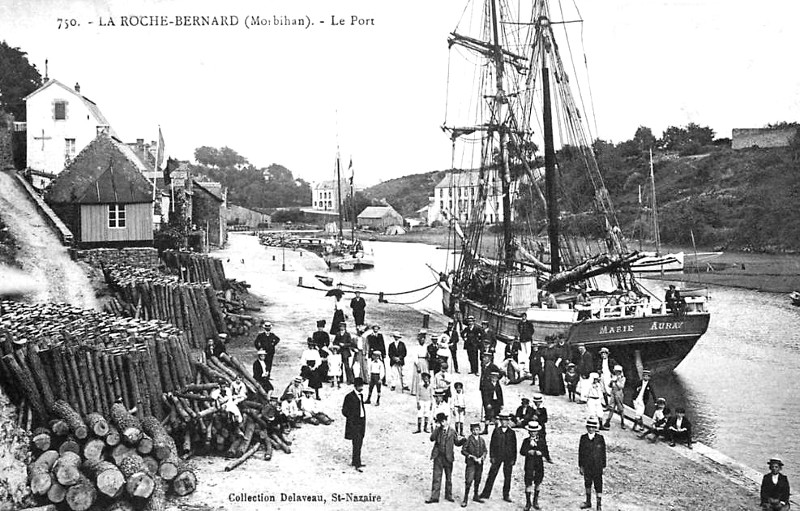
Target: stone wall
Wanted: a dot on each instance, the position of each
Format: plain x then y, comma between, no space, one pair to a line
762,137
6,151
142,257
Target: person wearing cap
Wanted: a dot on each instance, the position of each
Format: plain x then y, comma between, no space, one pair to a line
458,407
375,342
311,410
536,364
311,368
489,342
679,428
491,398
440,405
346,345
525,332
321,337
585,367
397,358
592,462
266,340
473,340
376,375
775,488
534,451
295,387
523,415
310,354
616,394
644,392
673,299
605,368
290,409
358,305
452,338
261,371
511,362
594,399
424,402
356,420
419,356
335,366
444,438
540,416
660,417
502,452
571,377
474,452
214,348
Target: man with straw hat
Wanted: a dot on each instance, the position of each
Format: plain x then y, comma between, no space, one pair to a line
775,487
592,461
397,359
534,451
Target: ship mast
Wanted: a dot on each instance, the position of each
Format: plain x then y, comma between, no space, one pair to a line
339,193
656,231
550,176
499,107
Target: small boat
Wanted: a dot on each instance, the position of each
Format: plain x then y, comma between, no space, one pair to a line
328,281
795,297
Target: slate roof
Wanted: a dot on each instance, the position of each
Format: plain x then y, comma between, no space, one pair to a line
91,105
376,211
104,172
459,179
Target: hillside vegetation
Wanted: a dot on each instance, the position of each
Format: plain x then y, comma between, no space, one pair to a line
407,194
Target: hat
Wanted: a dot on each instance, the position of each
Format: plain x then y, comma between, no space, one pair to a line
775,460
471,317
423,331
570,365
289,394
358,381
458,384
298,379
504,416
525,400
376,326
661,401
376,352
396,334
334,347
484,322
537,397
222,336
646,372
581,345
425,375
533,426
617,368
603,350
342,323
450,322
261,352
439,392
680,409
474,425
594,376
320,323
441,417
308,391
592,422
267,324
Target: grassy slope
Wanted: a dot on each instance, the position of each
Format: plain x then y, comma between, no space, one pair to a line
407,194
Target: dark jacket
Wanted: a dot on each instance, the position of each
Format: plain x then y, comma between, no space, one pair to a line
358,304
376,343
473,336
397,351
523,415
525,330
215,351
599,367
503,446
351,409
649,392
493,395
778,491
585,364
258,372
345,343
474,446
592,454
443,443
540,416
672,423
534,461
321,338
267,341
512,351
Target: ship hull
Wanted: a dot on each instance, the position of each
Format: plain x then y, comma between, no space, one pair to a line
659,263
657,342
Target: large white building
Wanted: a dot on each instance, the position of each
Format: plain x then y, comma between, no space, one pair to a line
324,195
456,194
60,123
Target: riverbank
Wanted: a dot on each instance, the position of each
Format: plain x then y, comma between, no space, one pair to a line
639,475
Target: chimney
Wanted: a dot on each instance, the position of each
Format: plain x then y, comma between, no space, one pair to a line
102,129
77,87
140,145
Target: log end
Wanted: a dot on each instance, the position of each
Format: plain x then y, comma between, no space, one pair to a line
184,483
140,485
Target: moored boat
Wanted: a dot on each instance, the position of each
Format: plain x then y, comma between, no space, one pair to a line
795,297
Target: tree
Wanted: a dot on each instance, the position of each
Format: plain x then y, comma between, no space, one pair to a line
225,158
644,138
18,78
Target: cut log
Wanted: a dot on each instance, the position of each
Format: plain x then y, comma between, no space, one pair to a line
27,386
137,481
57,493
93,449
151,463
145,445
59,427
241,459
69,444
128,425
40,375
120,452
63,410
106,476
41,439
97,424
163,445
82,495
66,469
185,481
39,472
157,500
112,437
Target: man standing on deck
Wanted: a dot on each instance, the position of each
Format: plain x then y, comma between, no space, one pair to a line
473,340
591,462
267,340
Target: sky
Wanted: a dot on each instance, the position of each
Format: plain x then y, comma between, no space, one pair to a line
377,89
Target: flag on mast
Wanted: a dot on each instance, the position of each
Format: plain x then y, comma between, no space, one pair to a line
350,168
160,150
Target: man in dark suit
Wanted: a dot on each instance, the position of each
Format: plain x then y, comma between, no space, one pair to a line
444,437
491,397
356,424
397,359
267,340
585,367
679,428
775,488
357,304
474,452
261,372
473,340
523,415
502,451
375,342
592,461
346,345
452,343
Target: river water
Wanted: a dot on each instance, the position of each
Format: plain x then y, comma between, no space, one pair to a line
738,384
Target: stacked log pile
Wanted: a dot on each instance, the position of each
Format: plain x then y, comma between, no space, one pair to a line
150,294
194,267
199,415
89,359
90,463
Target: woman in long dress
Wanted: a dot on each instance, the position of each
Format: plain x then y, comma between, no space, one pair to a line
360,355
338,314
553,382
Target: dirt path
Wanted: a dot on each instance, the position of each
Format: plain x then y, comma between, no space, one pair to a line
41,254
398,471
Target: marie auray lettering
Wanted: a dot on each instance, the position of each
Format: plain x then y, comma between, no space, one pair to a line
656,325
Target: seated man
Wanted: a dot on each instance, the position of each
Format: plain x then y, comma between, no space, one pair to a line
523,415
289,408
679,428
775,488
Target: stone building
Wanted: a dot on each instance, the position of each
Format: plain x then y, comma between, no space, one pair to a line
379,217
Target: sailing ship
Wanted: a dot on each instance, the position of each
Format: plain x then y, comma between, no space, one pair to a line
343,254
656,261
504,276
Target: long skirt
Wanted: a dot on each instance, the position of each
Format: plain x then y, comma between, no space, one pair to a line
420,366
360,367
553,384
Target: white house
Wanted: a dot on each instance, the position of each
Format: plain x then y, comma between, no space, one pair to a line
324,195
456,194
60,123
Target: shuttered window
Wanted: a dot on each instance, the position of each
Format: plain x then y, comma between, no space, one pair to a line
116,216
60,110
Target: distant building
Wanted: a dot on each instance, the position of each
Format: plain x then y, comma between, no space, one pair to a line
208,210
60,123
103,197
237,215
324,195
379,217
746,138
457,193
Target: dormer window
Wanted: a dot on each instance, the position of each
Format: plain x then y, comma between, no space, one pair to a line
60,110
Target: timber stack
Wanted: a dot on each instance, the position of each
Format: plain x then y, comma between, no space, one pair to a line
103,461
89,359
195,268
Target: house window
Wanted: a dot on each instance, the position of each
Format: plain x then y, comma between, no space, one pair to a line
60,110
116,216
69,147
441,192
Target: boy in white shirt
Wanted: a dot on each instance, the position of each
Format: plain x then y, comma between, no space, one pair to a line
458,407
377,372
424,402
